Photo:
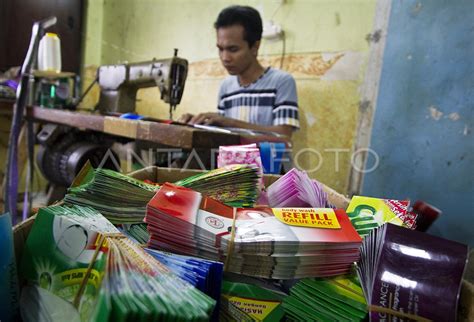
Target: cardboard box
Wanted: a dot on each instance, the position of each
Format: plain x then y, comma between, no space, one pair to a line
160,175
20,234
466,301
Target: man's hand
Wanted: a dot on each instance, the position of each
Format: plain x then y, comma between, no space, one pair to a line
219,120
211,119
207,119
185,118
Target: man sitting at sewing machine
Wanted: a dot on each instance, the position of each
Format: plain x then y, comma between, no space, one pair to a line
252,97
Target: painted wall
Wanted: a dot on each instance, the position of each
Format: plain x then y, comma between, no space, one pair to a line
326,51
424,116
92,49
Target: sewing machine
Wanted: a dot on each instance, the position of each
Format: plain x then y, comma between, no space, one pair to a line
119,83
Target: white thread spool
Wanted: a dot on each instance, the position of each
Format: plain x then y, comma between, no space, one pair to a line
49,53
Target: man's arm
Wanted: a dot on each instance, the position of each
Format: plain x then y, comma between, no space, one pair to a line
285,110
219,120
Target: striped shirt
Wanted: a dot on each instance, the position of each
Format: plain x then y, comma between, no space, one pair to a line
270,100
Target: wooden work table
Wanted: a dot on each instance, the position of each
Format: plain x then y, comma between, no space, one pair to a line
173,135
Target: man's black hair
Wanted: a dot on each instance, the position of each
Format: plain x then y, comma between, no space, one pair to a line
247,17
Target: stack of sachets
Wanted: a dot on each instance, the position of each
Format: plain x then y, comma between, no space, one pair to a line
123,199
118,197
248,154
367,213
247,301
235,184
296,189
410,275
136,232
79,267
264,242
337,298
203,274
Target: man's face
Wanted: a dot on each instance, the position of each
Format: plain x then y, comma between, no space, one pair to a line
234,51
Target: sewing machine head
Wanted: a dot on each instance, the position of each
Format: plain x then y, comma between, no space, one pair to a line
119,83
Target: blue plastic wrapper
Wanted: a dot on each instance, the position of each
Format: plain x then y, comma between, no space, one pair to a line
9,294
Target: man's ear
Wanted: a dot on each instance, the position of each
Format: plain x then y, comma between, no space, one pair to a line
255,48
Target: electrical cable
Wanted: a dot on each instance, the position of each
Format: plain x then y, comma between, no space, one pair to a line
87,91
283,49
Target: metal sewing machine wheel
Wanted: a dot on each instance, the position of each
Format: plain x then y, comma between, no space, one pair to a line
64,151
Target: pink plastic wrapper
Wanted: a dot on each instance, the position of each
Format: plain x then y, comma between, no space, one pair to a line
296,189
241,154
